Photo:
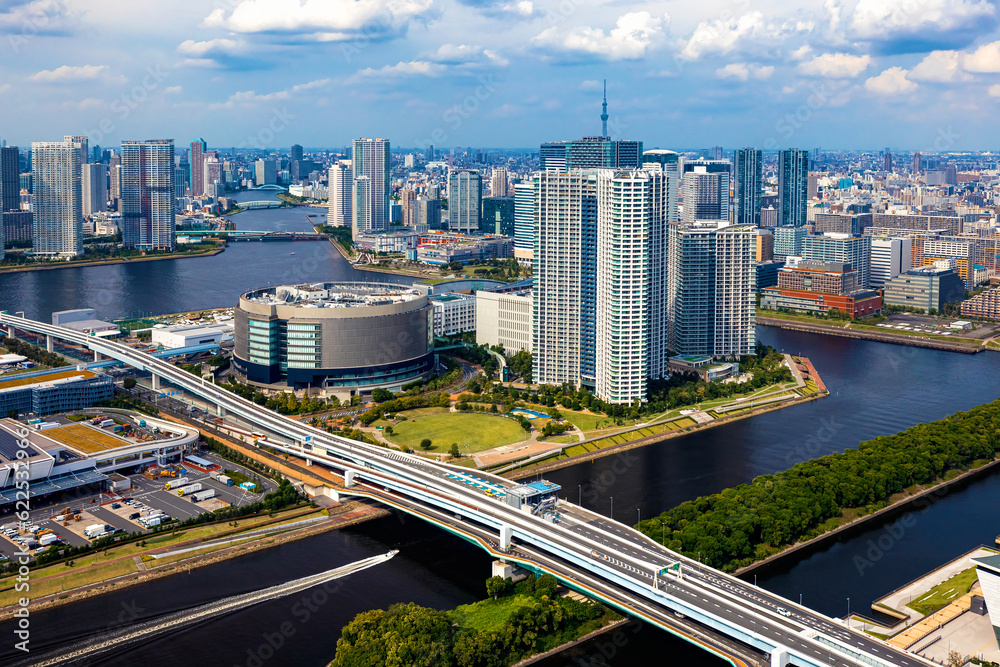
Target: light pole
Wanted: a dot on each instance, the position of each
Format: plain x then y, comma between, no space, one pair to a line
579,488
848,612
638,516
612,508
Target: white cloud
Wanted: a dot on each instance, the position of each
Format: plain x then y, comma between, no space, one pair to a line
70,73
886,19
466,55
633,35
208,48
173,90
722,36
744,71
835,66
892,81
938,66
399,70
984,60
802,52
322,20
250,97
23,20
994,90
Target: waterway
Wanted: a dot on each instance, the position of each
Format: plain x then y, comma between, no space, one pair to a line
876,389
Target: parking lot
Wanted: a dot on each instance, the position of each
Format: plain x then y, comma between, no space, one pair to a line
941,325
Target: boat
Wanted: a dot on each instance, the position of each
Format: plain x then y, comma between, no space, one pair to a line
291,253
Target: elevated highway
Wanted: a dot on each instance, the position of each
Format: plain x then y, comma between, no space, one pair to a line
585,550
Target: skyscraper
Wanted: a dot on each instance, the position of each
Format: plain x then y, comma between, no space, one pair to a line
706,190
10,179
295,154
465,201
630,338
115,182
749,181
916,163
147,184
81,143
524,222
406,199
371,173
842,249
57,212
887,161
565,271
591,153
340,193
498,182
94,186
265,172
198,148
793,187
711,289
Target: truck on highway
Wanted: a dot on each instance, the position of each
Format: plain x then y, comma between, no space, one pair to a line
142,423
176,483
189,489
202,495
94,531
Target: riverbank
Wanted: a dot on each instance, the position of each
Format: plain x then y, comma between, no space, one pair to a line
341,516
540,468
107,262
919,499
864,334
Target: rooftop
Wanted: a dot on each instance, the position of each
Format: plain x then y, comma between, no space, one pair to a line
45,379
334,295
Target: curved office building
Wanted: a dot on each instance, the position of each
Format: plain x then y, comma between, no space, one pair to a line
342,338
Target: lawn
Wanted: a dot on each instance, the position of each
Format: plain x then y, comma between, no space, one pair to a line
71,581
944,593
490,614
411,414
472,432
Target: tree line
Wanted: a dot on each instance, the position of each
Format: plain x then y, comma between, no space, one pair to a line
747,523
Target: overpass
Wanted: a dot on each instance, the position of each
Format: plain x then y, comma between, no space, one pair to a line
591,553
262,203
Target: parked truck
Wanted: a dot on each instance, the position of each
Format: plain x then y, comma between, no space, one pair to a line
176,483
93,531
106,423
150,521
202,495
47,539
189,489
225,480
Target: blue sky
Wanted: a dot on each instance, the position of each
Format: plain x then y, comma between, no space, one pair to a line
914,74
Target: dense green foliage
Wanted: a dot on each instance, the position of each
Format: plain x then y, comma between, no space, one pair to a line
404,403
746,523
36,354
407,634
520,364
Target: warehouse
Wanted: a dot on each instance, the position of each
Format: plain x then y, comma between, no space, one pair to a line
186,335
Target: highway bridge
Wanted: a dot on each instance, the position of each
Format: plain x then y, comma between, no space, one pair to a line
744,624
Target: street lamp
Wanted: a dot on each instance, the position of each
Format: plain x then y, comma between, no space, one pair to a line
612,508
848,612
638,516
579,488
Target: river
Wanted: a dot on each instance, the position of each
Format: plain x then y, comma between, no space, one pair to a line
875,389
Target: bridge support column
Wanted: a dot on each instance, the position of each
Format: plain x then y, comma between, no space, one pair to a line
49,343
221,411
506,536
349,478
11,333
780,657
97,356
156,382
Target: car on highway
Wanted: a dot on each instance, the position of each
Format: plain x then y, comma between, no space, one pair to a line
784,612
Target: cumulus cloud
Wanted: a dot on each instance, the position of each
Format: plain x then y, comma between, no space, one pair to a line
937,66
744,71
835,66
907,26
250,97
892,81
634,34
465,55
23,20
984,60
70,73
319,20
994,90
173,90
723,35
399,70
208,48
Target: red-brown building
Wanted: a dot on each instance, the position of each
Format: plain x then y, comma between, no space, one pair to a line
820,287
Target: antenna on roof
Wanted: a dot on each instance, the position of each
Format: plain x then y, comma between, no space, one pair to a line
604,111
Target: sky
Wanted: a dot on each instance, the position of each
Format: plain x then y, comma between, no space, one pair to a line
853,74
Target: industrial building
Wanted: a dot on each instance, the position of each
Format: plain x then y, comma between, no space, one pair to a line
926,288
74,455
51,391
186,335
85,321
335,338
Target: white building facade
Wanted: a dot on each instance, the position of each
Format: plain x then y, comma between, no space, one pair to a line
504,319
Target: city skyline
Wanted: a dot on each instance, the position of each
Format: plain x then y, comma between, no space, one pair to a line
257,72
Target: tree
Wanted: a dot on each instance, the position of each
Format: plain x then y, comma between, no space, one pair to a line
454,450
526,425
381,395
388,430
497,587
129,383
426,443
